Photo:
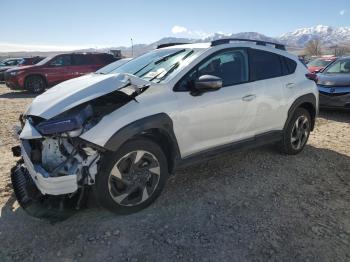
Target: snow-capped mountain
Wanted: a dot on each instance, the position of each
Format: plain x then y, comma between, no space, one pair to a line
328,35
142,48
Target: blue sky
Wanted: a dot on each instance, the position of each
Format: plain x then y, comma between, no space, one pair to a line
73,23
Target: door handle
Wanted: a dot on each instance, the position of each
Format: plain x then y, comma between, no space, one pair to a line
290,85
248,98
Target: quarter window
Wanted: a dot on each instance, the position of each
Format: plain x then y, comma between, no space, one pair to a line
288,65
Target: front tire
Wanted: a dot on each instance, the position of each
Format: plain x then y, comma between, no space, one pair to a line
131,178
296,134
35,84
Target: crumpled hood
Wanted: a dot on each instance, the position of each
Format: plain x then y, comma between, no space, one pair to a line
334,79
74,92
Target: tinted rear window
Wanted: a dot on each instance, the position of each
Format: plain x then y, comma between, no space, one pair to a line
105,59
265,65
82,60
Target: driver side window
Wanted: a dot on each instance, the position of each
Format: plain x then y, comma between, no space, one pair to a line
231,66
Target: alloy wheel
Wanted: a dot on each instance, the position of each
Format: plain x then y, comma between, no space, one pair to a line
300,132
134,178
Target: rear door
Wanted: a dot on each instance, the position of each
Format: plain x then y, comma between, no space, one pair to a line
82,64
267,74
103,60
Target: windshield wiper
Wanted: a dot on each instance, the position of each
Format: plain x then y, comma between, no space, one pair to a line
164,58
171,69
174,66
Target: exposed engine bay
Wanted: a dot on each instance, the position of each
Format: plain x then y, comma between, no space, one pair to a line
57,166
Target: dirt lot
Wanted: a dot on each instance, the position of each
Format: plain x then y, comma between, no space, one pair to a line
256,205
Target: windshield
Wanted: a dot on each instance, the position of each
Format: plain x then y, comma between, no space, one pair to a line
339,67
159,64
44,61
110,67
319,62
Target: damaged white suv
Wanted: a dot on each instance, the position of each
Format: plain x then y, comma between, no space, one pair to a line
123,133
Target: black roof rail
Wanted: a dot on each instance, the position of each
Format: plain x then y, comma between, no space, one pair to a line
170,44
258,42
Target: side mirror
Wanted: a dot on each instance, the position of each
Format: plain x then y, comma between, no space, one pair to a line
207,83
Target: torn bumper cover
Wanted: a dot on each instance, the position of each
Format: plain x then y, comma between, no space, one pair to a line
42,196
46,184
52,208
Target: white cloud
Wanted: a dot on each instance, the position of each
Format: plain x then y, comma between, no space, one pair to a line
342,12
10,47
177,29
200,33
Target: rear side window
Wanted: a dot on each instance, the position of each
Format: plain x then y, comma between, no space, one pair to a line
82,60
265,65
105,59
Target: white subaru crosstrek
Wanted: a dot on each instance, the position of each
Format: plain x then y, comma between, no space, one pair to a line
123,133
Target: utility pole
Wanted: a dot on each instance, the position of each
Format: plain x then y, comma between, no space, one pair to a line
132,48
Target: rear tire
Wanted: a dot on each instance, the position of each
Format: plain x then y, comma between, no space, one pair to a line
131,178
296,133
35,84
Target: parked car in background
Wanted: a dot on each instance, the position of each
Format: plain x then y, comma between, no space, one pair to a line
109,68
56,69
10,62
334,84
7,64
318,64
18,62
30,60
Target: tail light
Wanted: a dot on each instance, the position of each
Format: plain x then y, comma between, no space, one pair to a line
312,76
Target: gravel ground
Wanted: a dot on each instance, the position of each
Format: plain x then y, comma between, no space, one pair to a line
256,205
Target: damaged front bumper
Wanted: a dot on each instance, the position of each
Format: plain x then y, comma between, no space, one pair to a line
42,179
52,208
54,193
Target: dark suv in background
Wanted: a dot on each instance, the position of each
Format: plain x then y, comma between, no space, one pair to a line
56,69
14,62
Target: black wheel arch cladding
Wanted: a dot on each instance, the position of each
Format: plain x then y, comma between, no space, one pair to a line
308,102
155,127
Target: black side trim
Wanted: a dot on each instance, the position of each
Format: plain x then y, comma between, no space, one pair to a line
259,140
305,99
159,121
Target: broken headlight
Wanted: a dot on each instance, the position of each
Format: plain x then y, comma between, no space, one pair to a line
68,122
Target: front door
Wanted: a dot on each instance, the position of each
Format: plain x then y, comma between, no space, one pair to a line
219,117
